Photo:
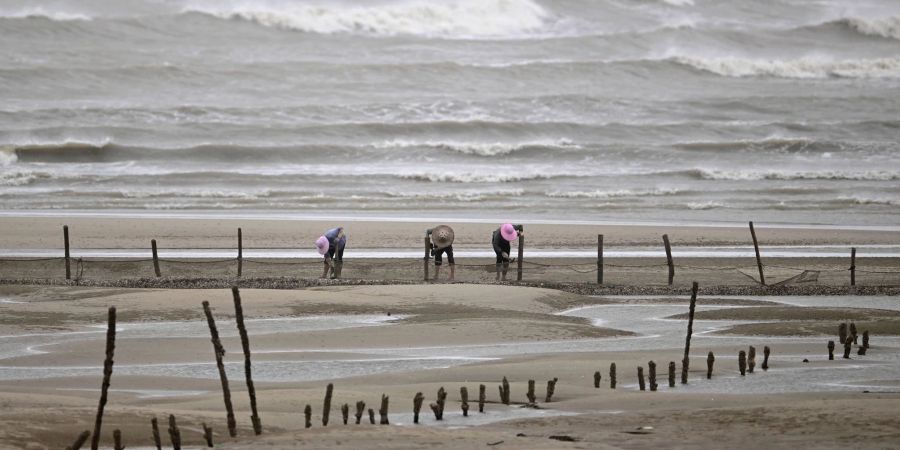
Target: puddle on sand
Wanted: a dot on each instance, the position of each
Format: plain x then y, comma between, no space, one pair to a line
453,417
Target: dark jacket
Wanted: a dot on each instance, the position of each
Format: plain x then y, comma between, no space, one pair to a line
502,245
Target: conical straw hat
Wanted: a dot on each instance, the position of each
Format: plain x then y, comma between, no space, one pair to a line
442,236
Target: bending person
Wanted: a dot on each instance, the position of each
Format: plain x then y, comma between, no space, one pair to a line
331,246
442,242
501,239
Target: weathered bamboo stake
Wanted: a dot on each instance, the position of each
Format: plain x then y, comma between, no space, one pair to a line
68,263
710,361
759,264
521,257
155,258
383,411
599,259
766,352
464,395
438,406
107,374
207,435
686,361
174,433
504,391
551,388
156,440
326,407
248,370
417,406
866,339
830,350
240,258
307,416
597,378
852,266
671,374
481,397
117,440
847,347
640,371
360,408
751,359
651,375
669,259
853,334
371,416
219,352
842,332
427,255
80,440
612,376
345,413
530,393
742,362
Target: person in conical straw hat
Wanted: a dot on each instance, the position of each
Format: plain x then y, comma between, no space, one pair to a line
442,242
501,238
331,246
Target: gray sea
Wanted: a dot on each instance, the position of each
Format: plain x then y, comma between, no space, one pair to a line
784,111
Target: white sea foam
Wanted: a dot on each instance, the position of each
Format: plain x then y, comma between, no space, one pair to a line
786,174
38,11
477,148
7,156
679,2
471,177
704,205
613,194
798,68
860,200
448,19
888,27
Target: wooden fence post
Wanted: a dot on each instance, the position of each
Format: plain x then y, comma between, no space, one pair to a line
641,378
79,441
345,413
207,435
685,363
481,395
710,361
766,352
68,263
240,254
155,258
504,391
853,266
107,374
383,410
464,396
751,359
830,350
742,362
360,408
599,259
651,368
219,353
427,255
307,416
248,371
597,378
669,259
762,278
326,407
530,394
521,256
156,440
371,416
174,433
417,406
612,376
551,389
671,374
117,440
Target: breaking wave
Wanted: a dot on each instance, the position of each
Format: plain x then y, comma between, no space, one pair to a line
449,19
756,175
799,68
888,27
480,148
613,194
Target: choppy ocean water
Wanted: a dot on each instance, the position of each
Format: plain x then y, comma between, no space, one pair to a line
694,110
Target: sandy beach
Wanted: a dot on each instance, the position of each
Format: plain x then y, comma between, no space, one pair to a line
399,340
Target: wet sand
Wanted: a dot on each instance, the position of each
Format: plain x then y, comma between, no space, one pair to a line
437,335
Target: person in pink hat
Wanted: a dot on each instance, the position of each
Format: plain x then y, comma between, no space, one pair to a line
501,239
331,246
